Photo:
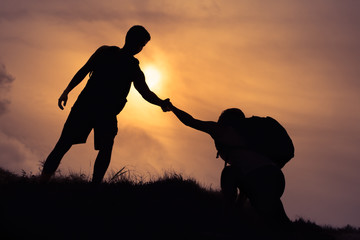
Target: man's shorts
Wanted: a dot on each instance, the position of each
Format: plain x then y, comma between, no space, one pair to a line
81,121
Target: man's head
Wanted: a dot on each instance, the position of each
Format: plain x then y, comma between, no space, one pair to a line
231,117
136,38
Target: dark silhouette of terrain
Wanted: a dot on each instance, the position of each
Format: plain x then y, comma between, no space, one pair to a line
170,207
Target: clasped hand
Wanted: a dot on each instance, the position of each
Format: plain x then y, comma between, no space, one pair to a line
166,105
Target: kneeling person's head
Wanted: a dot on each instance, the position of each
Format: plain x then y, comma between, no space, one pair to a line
231,117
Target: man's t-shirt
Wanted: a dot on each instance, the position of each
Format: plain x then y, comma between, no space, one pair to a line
110,80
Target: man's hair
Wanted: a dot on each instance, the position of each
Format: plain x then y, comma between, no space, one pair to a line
231,117
137,33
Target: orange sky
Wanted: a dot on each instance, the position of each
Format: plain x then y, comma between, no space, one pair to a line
294,60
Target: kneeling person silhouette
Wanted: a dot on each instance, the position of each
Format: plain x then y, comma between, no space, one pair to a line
258,177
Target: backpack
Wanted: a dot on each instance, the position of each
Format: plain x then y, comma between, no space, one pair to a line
265,135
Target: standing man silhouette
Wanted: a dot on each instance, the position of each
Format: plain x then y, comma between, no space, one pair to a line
111,71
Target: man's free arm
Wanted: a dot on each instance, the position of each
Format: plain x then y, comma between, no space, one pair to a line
79,76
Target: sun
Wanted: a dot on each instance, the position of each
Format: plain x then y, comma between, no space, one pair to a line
152,76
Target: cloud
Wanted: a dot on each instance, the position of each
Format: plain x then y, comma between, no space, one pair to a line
5,78
15,155
5,83
153,10
136,147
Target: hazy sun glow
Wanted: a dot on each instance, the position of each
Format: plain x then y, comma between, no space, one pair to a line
277,59
153,77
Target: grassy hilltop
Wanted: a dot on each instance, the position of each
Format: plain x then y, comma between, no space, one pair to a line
170,207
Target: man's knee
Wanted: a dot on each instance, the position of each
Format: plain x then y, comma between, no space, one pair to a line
63,145
53,160
105,145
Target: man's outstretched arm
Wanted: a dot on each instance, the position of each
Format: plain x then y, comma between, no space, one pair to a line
147,94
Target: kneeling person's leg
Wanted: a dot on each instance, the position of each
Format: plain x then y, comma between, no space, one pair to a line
266,187
229,184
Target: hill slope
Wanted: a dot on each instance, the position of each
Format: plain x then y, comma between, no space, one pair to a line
170,207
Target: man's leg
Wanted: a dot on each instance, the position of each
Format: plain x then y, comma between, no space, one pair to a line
53,160
102,162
